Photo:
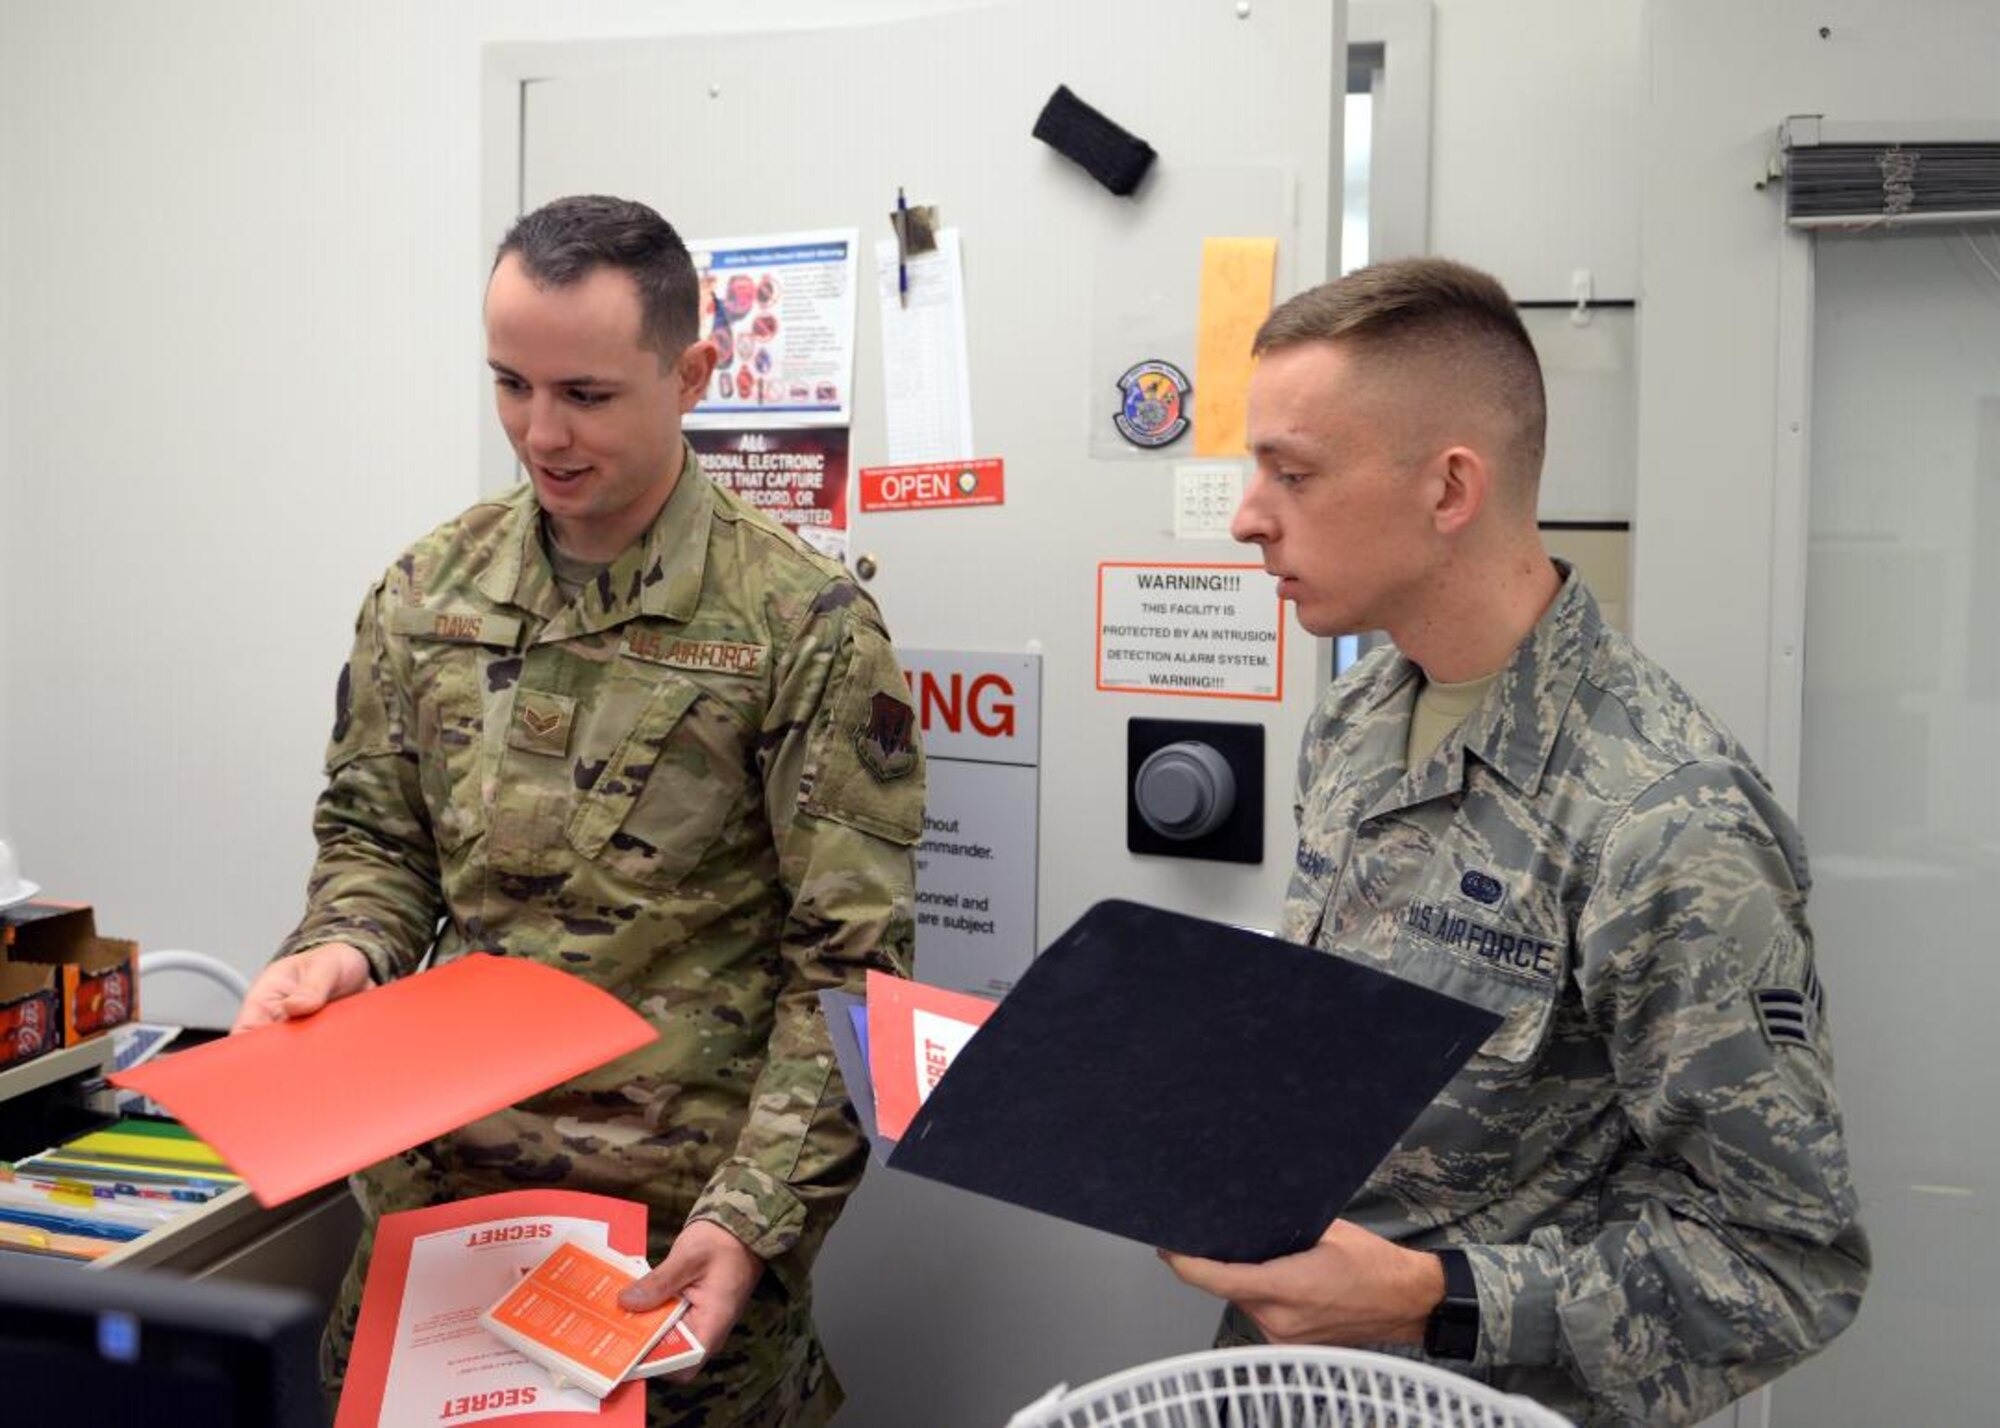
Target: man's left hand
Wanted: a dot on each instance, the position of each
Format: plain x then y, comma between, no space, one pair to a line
1353,1287
713,1271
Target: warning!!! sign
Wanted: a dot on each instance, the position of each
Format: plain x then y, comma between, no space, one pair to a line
926,487
1212,631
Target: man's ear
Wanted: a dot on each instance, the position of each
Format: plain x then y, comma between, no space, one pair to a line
692,369
1463,491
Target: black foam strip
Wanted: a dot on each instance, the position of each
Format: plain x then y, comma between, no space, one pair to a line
1114,158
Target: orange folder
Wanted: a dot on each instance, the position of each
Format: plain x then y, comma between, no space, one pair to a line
914,1030
298,1104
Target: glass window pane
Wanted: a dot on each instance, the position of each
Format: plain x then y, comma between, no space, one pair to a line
1898,782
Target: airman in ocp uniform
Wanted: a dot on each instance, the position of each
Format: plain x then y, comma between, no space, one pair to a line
619,722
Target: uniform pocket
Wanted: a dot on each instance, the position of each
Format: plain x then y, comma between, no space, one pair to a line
450,732
658,803
458,676
1525,1007
1525,1013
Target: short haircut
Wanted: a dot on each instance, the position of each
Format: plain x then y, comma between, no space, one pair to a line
566,240
1431,310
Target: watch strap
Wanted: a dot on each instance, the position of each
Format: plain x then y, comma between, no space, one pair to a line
1452,1331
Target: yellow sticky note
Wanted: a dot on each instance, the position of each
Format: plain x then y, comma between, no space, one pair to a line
1236,279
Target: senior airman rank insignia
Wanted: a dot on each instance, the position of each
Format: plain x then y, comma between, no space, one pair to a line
1790,1015
887,745
541,722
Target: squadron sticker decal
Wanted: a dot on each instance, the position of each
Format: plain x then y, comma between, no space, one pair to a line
1153,404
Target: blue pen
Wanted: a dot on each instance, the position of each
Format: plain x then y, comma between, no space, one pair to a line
902,248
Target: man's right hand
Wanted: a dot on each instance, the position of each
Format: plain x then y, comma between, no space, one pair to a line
300,985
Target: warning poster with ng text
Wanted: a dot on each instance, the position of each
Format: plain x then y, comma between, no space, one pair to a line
980,713
1212,631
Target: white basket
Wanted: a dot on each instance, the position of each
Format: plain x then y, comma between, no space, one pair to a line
1272,1387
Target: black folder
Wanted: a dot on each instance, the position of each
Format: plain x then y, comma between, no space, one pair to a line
1188,1084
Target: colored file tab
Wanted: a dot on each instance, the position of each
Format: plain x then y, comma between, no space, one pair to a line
136,1143
1236,279
297,1104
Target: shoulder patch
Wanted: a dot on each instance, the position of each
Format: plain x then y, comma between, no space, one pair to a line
886,743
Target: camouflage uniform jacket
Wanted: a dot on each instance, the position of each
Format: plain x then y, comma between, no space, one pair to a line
697,786
1644,1163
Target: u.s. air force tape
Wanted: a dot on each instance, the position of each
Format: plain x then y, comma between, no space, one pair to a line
1114,158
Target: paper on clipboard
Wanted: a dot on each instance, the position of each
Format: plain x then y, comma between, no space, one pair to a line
411,1060
926,375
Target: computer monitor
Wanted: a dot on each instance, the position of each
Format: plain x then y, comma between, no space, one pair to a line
90,1347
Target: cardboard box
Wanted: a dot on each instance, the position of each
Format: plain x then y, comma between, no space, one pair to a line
95,980
30,1012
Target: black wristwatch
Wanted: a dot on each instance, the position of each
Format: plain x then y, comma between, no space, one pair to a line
1452,1331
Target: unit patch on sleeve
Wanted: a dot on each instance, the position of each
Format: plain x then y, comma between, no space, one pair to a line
887,744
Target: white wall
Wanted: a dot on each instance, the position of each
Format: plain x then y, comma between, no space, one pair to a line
241,369
1536,111
1721,75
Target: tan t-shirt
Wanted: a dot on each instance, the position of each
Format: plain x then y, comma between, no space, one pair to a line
1440,709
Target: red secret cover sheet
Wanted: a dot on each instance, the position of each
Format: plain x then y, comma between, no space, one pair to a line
421,1358
914,1031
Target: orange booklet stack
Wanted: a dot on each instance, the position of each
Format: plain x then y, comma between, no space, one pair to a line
564,1314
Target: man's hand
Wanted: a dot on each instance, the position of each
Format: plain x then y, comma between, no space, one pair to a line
297,986
1353,1287
713,1271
